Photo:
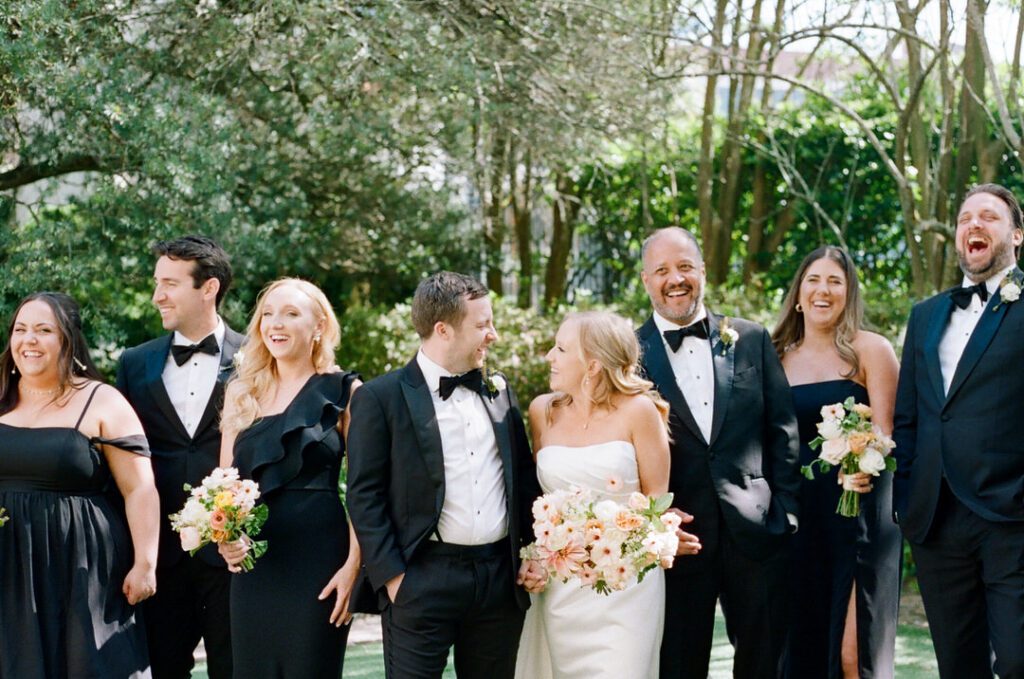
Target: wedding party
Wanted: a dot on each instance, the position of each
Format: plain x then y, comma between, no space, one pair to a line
541,339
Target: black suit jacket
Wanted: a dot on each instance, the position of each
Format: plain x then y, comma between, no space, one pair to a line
177,457
975,433
396,481
749,468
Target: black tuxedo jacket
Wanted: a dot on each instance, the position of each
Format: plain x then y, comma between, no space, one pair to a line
396,481
974,435
177,457
749,468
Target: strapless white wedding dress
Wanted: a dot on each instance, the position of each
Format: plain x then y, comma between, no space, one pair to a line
572,632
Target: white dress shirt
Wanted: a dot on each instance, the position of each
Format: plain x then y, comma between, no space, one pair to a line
474,509
961,324
190,386
694,370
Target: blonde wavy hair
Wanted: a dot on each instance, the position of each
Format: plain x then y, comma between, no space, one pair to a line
257,376
609,339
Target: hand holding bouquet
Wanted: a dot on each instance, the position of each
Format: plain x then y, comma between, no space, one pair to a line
849,440
222,509
605,544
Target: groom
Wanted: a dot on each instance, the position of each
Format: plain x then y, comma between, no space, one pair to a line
176,385
440,488
734,467
958,493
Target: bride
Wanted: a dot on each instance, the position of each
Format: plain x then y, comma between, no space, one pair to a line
604,429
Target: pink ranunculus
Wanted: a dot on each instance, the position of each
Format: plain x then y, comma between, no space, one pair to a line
834,450
638,501
218,519
190,538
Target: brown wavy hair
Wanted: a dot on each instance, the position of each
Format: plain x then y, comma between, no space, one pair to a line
789,331
609,339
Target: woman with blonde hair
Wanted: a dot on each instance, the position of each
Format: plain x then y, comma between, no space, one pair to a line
284,421
603,428
846,571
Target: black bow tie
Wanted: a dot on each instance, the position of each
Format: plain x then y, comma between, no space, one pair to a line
183,352
675,337
473,380
962,296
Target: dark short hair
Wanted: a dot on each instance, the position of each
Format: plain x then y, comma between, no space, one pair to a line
1004,194
209,260
685,233
73,362
442,298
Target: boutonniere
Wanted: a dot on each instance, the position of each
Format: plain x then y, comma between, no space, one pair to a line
728,335
1009,289
238,359
494,383
4,518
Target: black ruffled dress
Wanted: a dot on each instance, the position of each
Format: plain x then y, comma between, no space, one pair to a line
278,626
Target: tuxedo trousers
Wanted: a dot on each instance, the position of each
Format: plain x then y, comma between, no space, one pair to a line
191,603
454,597
754,595
971,574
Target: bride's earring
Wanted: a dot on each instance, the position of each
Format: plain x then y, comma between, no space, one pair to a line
799,308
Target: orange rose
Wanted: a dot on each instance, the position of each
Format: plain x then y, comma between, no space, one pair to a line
859,441
626,521
219,536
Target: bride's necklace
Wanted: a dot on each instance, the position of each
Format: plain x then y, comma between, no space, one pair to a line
40,392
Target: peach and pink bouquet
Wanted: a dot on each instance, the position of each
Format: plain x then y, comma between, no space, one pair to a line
850,441
603,543
222,509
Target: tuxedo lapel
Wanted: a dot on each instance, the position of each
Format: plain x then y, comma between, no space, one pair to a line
723,357
933,335
232,342
990,321
155,362
424,418
659,370
497,408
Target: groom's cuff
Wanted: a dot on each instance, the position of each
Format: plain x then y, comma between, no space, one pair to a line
794,523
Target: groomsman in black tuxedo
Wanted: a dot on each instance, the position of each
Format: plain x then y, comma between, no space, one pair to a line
176,385
440,487
958,493
734,467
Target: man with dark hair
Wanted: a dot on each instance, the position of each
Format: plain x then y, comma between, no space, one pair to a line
176,385
958,492
734,467
440,487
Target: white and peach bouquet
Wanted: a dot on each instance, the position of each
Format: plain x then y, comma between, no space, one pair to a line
850,441
605,544
222,509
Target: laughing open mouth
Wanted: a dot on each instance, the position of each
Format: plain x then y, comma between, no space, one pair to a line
976,244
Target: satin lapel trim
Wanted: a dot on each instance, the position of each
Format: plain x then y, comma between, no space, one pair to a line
660,371
231,343
723,357
155,362
497,409
978,343
424,418
936,326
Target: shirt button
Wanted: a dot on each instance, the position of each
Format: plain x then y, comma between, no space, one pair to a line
471,453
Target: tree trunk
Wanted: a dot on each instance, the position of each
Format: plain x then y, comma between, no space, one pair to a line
494,221
564,209
706,162
522,217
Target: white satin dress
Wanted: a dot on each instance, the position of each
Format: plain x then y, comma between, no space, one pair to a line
572,632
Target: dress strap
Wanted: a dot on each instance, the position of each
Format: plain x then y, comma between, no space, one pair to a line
86,408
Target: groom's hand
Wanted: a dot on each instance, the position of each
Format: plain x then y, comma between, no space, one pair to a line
688,542
393,585
531,576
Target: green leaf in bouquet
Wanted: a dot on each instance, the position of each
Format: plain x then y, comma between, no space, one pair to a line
258,548
890,464
662,504
816,442
849,403
808,472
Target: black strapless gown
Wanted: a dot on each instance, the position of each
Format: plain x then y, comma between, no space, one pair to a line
279,628
831,552
64,555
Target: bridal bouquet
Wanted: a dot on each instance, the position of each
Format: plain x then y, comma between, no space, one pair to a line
849,440
604,543
222,509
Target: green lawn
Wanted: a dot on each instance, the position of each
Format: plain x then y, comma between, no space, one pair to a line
914,656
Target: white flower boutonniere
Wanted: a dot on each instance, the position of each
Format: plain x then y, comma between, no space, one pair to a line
238,359
1009,290
728,334
495,384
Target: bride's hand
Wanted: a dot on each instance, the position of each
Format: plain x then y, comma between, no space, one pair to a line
858,483
234,553
532,576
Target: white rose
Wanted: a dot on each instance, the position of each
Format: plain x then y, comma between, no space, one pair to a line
1009,292
830,428
189,538
834,450
872,462
606,511
638,501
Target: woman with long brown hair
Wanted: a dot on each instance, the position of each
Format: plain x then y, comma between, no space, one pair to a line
846,570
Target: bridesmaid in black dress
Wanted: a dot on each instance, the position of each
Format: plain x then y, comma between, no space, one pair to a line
846,570
284,420
73,463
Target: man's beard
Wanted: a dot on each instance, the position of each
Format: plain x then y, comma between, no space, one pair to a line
689,313
1002,257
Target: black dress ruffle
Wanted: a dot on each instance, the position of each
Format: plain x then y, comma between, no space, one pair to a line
64,555
278,626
